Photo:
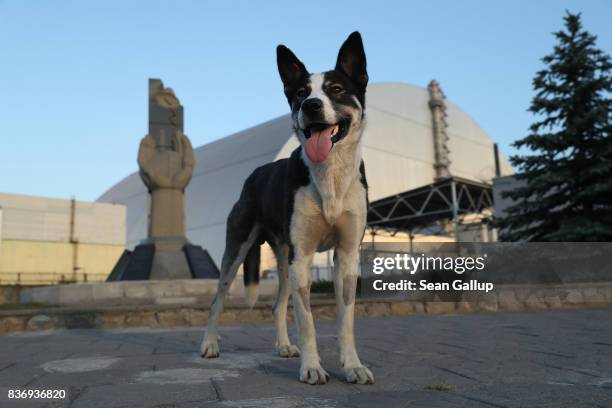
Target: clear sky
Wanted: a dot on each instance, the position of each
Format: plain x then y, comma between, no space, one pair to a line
73,74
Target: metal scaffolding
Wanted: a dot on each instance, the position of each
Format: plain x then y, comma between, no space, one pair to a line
444,201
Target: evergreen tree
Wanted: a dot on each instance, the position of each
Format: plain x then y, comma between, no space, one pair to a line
567,179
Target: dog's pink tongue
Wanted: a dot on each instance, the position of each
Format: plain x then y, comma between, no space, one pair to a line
319,144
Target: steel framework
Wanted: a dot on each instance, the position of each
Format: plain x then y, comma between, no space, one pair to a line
445,200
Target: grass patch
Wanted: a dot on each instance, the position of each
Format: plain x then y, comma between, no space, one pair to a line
440,387
322,287
328,287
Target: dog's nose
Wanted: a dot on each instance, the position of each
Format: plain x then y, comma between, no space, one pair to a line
312,105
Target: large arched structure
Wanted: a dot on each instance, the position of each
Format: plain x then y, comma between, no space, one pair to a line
398,150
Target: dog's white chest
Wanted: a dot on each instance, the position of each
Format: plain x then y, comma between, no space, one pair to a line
312,227
335,188
325,201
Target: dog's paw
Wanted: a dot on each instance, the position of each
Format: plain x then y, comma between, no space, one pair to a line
313,375
359,375
209,349
288,350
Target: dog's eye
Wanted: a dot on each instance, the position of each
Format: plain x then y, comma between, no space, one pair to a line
302,93
336,89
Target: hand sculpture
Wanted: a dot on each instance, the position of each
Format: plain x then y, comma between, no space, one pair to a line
162,167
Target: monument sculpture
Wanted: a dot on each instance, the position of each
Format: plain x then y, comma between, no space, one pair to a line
166,163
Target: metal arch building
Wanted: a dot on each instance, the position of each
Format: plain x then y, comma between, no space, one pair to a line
399,151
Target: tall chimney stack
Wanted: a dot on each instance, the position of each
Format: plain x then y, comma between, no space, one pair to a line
439,125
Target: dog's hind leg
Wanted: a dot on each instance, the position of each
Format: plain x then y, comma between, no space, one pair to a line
283,345
242,233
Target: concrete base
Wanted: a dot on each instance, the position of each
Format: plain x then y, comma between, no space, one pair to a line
168,258
169,261
151,292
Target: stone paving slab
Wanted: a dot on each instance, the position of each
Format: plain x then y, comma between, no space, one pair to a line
503,360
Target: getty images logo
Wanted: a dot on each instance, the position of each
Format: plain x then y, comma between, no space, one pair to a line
413,264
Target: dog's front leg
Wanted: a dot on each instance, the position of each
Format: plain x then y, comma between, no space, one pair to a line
311,371
345,284
346,260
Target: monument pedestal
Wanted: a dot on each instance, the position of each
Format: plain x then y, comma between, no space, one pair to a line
169,260
165,259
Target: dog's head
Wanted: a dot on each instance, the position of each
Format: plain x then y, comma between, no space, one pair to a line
326,108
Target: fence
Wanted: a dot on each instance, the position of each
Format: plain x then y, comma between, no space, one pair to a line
48,278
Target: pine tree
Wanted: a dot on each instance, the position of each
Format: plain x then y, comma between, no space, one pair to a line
566,193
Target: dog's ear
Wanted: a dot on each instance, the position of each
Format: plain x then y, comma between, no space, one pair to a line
290,67
352,60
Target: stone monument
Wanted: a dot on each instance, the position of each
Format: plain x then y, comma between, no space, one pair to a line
166,162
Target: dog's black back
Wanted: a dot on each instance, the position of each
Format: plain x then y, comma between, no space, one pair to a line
267,200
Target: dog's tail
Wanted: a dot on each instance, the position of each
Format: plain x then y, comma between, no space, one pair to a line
251,275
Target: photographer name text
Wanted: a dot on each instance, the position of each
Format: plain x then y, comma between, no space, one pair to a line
406,285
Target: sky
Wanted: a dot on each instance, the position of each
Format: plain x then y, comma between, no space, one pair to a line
74,74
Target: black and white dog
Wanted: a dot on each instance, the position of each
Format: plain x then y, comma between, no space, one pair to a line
313,201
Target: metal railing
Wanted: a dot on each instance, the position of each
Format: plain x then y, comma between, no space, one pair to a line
49,278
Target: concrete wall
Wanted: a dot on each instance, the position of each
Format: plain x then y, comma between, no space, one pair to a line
48,219
36,245
38,262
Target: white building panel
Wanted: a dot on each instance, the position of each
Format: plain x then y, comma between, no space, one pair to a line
29,218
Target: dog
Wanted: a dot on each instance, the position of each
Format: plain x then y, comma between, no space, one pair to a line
313,201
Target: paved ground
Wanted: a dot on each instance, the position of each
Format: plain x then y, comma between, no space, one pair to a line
536,359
